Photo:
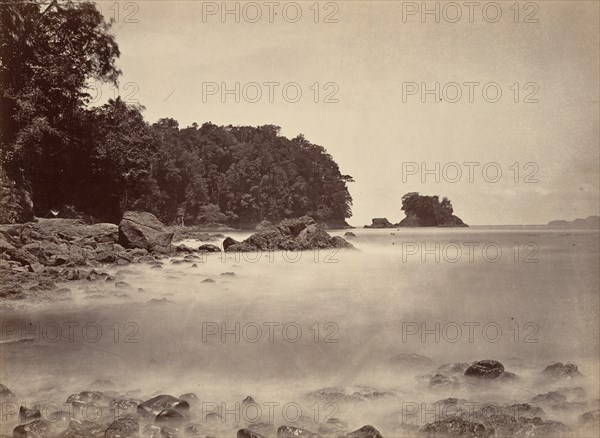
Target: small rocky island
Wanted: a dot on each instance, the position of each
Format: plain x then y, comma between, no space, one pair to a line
423,211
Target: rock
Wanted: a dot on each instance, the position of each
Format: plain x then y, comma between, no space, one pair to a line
263,225
291,431
122,407
208,280
170,416
365,432
161,402
485,369
87,397
127,427
228,274
183,249
209,247
84,429
549,398
122,285
35,429
560,371
349,234
229,242
456,427
381,222
26,415
289,234
509,426
247,433
143,230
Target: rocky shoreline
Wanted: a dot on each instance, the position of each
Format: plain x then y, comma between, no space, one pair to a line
103,411
36,255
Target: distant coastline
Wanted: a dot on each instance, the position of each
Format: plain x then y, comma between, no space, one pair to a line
589,222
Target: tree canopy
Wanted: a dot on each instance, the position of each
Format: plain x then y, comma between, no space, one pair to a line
104,160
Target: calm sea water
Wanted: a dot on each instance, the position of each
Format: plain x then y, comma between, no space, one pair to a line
288,323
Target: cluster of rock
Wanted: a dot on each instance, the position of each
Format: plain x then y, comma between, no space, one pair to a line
161,416
291,235
414,221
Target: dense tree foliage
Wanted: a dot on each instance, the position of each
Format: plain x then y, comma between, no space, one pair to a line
428,209
105,160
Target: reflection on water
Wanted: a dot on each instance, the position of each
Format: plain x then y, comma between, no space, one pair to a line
279,325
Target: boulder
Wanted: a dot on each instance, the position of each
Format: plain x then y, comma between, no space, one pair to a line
209,247
291,431
123,427
170,417
37,428
485,369
159,403
140,229
456,427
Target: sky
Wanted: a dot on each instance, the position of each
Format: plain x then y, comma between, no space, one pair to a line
510,133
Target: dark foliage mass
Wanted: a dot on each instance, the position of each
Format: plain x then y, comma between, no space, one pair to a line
108,159
429,210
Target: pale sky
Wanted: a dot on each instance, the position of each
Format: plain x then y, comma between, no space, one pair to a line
370,54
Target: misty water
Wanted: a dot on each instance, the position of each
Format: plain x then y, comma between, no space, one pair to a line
286,324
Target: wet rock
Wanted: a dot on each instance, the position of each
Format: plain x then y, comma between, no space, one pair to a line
143,230
365,432
194,265
122,285
169,432
227,274
194,431
247,433
209,247
161,402
156,267
183,249
510,426
560,371
123,406
381,222
123,427
208,280
456,427
485,369
170,416
84,429
26,415
35,429
291,431
349,234
87,397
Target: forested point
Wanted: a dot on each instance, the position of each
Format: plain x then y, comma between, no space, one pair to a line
60,153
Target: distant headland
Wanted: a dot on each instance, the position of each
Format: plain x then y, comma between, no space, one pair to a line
588,222
423,211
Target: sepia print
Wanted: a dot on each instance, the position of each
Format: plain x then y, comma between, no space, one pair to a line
271,219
